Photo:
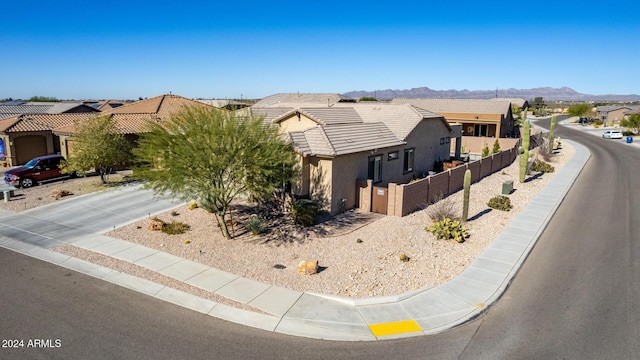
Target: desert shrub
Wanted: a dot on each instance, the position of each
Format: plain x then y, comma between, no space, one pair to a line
485,151
496,147
441,208
193,205
175,228
304,212
545,150
628,132
556,143
257,225
449,229
541,166
500,202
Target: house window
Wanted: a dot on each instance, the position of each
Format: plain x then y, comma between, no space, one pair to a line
408,160
480,130
441,141
375,168
392,156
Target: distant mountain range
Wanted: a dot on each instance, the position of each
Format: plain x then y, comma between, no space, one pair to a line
547,93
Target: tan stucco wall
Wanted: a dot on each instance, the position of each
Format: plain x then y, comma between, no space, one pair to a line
10,150
320,181
503,124
616,115
344,170
296,122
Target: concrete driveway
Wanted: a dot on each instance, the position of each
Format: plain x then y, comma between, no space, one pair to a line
93,213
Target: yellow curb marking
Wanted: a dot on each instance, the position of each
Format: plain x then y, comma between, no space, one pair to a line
392,328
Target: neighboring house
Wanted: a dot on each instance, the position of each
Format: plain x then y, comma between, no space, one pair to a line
25,137
490,118
520,103
615,114
293,100
225,104
131,119
341,144
108,105
32,135
15,108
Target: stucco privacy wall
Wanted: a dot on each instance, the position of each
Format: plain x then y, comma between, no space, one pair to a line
406,198
475,144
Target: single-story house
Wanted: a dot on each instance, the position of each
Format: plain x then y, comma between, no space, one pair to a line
31,135
490,118
292,100
346,142
520,103
226,104
15,108
615,113
131,119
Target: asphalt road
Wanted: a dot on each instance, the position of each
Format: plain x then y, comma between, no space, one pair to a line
576,297
578,294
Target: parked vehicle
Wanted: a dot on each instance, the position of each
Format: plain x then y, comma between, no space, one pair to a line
585,121
612,134
35,170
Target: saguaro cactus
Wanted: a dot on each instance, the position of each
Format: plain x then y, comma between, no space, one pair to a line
552,133
524,156
467,190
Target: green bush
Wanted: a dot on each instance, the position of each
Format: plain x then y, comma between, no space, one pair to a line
257,225
500,202
175,228
449,229
541,166
485,151
304,212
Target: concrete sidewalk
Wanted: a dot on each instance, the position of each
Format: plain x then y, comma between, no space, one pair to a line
426,311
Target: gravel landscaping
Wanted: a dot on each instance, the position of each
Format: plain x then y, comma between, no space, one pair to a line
358,253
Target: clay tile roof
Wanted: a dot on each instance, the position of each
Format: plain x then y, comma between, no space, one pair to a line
469,106
304,99
132,118
162,106
40,122
401,119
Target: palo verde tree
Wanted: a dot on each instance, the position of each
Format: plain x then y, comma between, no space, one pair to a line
580,110
214,156
97,145
632,122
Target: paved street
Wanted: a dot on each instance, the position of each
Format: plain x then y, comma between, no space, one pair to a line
575,296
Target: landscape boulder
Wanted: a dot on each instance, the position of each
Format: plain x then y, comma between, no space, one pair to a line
308,267
155,224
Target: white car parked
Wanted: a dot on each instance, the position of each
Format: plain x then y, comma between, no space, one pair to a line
612,134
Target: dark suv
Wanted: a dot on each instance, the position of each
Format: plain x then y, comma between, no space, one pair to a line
36,170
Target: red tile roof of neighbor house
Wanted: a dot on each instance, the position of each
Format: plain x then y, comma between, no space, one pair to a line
39,122
130,119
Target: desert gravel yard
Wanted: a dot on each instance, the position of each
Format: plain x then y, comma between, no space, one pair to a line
358,253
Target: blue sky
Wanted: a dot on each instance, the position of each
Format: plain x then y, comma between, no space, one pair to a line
131,49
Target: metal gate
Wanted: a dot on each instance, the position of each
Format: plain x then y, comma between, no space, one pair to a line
379,200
